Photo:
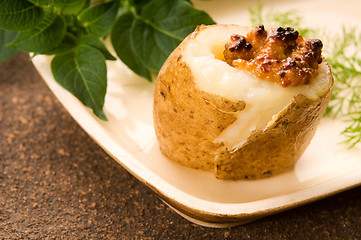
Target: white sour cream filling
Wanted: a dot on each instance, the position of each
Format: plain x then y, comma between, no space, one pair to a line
204,55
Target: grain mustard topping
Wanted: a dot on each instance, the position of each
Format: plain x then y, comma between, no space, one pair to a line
278,55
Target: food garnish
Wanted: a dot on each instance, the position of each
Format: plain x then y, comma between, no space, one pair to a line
280,55
342,52
143,34
60,27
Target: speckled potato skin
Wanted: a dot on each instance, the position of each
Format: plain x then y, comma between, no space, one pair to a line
278,147
187,120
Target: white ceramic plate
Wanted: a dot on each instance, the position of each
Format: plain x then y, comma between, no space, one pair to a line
326,167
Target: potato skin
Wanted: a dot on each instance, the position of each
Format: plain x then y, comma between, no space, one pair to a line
278,147
187,120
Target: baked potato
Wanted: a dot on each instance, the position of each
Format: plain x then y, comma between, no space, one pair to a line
228,119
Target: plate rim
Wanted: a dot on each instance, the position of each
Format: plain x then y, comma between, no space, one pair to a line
199,211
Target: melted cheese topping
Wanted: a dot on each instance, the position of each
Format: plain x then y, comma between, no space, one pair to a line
264,99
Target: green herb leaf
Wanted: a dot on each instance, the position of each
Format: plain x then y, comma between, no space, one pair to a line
42,3
121,41
94,42
19,15
5,38
174,18
99,18
65,6
152,47
139,4
69,7
160,28
67,44
143,42
143,36
44,37
83,73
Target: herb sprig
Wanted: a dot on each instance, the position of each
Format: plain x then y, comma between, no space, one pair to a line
143,33
275,19
343,53
345,60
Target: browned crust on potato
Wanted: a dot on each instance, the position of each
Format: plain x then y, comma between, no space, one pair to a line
188,120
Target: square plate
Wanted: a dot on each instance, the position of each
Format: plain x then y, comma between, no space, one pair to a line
326,167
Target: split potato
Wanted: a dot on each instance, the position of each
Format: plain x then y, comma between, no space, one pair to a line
210,115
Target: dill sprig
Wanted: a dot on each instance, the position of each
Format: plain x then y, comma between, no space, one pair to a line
343,53
353,131
275,19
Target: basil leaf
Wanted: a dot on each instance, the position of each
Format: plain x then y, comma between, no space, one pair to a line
44,37
83,73
19,15
161,26
94,42
99,18
6,37
121,41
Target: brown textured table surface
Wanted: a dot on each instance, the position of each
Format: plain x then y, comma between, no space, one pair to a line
55,182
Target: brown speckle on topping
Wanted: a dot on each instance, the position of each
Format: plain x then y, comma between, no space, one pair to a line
239,43
260,30
286,34
316,44
279,55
